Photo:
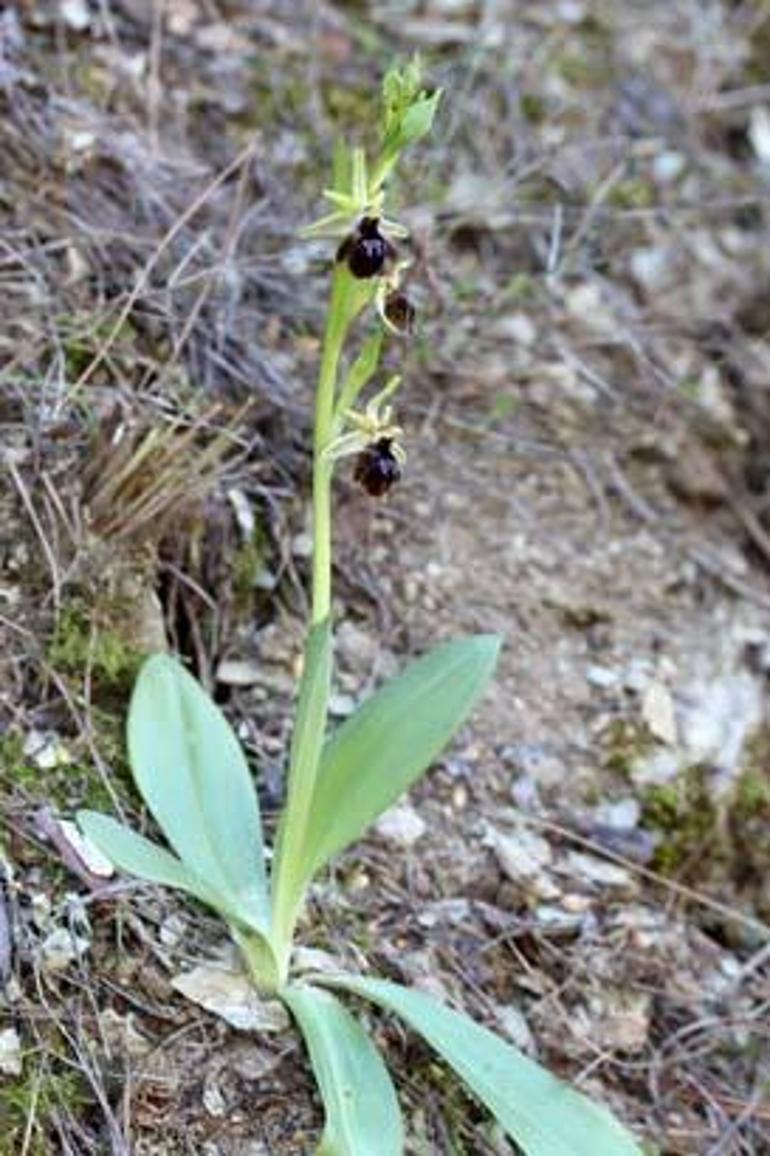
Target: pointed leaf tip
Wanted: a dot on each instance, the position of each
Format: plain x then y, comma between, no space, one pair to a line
543,1115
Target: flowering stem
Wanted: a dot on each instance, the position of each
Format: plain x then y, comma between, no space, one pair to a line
336,327
347,300
289,881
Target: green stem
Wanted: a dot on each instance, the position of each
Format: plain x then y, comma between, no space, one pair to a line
262,962
289,881
334,339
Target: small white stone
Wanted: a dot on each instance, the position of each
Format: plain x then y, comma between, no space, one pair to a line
61,948
593,870
238,672
402,825
341,705
759,132
659,714
514,1024
213,1098
622,815
602,677
668,166
516,327
75,14
10,1052
46,750
302,545
651,267
172,931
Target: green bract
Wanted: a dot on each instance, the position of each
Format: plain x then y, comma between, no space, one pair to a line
191,772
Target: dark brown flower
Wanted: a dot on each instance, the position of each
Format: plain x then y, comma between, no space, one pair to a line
366,250
378,467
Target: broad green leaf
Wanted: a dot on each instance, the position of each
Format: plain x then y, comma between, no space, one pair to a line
288,874
376,754
362,1112
138,856
191,771
543,1115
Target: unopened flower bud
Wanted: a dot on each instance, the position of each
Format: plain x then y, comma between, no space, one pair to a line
399,313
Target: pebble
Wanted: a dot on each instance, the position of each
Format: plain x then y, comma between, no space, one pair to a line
524,793
514,1024
238,672
537,760
10,1052
602,677
401,825
621,815
61,948
592,870
658,713
516,327
341,705
357,649
302,545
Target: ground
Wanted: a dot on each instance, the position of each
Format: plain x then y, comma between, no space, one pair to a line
587,417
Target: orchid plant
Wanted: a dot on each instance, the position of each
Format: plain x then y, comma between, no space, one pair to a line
192,774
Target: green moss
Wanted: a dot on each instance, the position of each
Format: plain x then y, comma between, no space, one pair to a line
634,193
730,838
68,785
31,1105
533,107
82,338
587,60
15,767
281,99
247,564
457,1109
749,820
625,741
684,813
583,72
521,287
80,642
752,795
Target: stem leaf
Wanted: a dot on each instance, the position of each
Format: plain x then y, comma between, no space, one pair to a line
543,1115
362,1112
375,755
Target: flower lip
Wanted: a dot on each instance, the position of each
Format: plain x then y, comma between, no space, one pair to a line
366,251
378,466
